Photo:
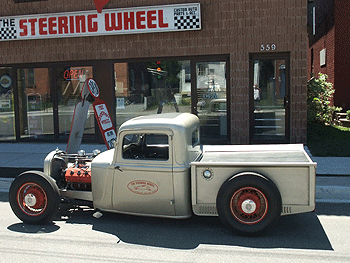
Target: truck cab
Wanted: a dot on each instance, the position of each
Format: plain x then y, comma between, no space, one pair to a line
150,167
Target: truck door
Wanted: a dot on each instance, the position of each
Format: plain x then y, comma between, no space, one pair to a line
143,180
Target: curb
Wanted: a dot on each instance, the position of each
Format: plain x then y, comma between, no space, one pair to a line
333,194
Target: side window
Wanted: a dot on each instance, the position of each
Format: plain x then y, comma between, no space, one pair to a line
146,146
195,137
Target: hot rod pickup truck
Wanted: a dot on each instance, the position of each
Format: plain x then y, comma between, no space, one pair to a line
158,168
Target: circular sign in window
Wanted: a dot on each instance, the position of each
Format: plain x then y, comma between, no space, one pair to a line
94,90
5,81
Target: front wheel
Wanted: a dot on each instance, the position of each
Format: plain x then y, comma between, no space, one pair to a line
34,197
249,203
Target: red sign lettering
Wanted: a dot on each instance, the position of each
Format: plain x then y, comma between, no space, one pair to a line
114,25
131,20
92,25
73,74
23,27
151,18
42,26
52,26
62,25
161,19
32,22
140,19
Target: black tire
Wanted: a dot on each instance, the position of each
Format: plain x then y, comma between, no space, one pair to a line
34,197
249,203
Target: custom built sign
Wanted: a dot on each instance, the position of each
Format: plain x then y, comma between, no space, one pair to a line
110,22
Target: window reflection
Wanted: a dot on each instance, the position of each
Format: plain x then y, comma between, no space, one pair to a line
7,118
212,103
151,87
69,86
36,112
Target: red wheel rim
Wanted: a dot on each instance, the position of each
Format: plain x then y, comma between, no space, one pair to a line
32,199
249,205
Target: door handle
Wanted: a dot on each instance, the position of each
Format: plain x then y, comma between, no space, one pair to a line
118,168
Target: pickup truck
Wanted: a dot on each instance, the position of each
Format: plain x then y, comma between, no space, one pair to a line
159,168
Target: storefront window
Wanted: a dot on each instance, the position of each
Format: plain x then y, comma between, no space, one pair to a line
36,109
151,87
70,81
212,104
7,119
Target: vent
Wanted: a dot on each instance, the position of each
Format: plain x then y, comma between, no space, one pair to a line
207,209
287,210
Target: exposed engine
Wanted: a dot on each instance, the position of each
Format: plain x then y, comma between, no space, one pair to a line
73,171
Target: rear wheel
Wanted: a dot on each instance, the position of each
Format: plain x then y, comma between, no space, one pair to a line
34,197
249,203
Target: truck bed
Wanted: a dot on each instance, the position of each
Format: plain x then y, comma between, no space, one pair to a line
256,154
288,166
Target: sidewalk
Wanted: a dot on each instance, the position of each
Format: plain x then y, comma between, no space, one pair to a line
32,155
332,182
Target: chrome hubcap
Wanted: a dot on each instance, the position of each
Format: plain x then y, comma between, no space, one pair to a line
248,206
30,200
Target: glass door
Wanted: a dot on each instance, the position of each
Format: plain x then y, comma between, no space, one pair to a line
212,102
270,96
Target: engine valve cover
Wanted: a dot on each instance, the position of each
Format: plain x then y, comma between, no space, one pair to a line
80,174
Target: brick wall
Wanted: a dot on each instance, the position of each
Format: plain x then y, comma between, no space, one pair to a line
332,34
342,55
233,27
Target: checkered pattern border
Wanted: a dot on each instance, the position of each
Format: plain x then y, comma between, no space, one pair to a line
8,33
187,22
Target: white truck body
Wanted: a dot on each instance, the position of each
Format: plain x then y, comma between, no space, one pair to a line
158,168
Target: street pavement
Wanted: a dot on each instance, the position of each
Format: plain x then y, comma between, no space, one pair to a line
332,181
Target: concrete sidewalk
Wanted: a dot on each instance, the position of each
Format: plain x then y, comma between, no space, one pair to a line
32,155
332,182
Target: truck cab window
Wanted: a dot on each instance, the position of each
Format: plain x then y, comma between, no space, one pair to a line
146,146
195,137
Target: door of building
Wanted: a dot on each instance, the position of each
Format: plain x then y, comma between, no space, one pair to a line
211,101
269,97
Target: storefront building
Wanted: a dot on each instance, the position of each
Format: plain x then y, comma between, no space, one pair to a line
240,65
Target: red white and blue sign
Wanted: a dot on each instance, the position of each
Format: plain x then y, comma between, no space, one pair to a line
104,120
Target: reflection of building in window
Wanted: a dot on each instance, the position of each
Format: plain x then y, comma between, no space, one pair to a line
31,78
201,67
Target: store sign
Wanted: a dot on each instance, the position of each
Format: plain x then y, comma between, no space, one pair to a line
73,74
110,22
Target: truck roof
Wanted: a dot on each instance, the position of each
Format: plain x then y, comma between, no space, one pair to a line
173,121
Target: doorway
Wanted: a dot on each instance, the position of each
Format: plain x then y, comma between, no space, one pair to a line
269,98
